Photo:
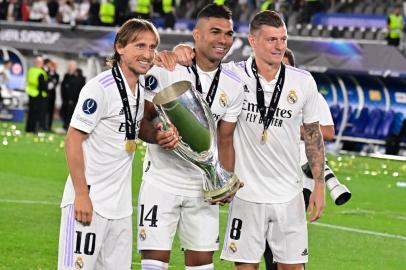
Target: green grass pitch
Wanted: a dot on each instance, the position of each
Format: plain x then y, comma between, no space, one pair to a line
367,233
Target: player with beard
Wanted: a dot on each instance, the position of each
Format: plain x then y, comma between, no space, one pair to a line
278,99
171,195
96,225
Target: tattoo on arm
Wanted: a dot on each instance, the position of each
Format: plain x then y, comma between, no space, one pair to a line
314,145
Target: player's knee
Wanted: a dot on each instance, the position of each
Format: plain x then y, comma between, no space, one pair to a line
153,265
283,266
246,266
156,255
198,258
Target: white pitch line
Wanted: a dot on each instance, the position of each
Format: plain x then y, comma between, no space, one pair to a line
336,227
28,202
349,229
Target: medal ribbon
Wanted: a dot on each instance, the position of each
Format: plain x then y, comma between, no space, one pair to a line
267,117
129,121
213,86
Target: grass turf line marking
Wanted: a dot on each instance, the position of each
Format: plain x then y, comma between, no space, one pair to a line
349,229
28,202
336,227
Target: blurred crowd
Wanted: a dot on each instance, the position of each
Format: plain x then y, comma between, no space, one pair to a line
115,12
42,82
43,78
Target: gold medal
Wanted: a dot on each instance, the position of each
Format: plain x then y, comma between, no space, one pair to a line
264,136
130,146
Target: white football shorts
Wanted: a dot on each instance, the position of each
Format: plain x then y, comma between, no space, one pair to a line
161,214
104,244
250,224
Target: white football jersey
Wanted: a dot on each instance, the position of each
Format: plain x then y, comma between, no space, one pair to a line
164,168
325,119
270,171
108,166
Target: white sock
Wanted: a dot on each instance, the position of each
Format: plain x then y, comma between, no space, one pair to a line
200,267
153,265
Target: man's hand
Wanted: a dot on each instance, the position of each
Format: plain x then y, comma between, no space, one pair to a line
83,208
166,59
167,139
317,200
184,54
229,198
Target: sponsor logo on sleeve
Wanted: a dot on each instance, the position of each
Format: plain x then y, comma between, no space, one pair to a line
151,83
89,106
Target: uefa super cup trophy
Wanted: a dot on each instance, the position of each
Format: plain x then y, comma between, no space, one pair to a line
182,106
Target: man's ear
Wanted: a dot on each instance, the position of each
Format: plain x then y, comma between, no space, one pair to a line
119,49
251,40
196,34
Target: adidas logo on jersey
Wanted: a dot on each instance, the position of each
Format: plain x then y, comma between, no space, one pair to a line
121,111
246,89
305,253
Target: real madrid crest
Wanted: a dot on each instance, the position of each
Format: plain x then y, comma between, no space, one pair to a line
233,247
292,97
223,99
142,235
79,263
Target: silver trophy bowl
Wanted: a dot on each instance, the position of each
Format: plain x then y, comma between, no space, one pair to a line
182,106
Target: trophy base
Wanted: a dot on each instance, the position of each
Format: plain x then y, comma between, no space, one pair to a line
220,194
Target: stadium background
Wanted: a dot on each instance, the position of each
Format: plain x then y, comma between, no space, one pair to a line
361,77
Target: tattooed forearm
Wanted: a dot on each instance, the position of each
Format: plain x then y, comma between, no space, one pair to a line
314,150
